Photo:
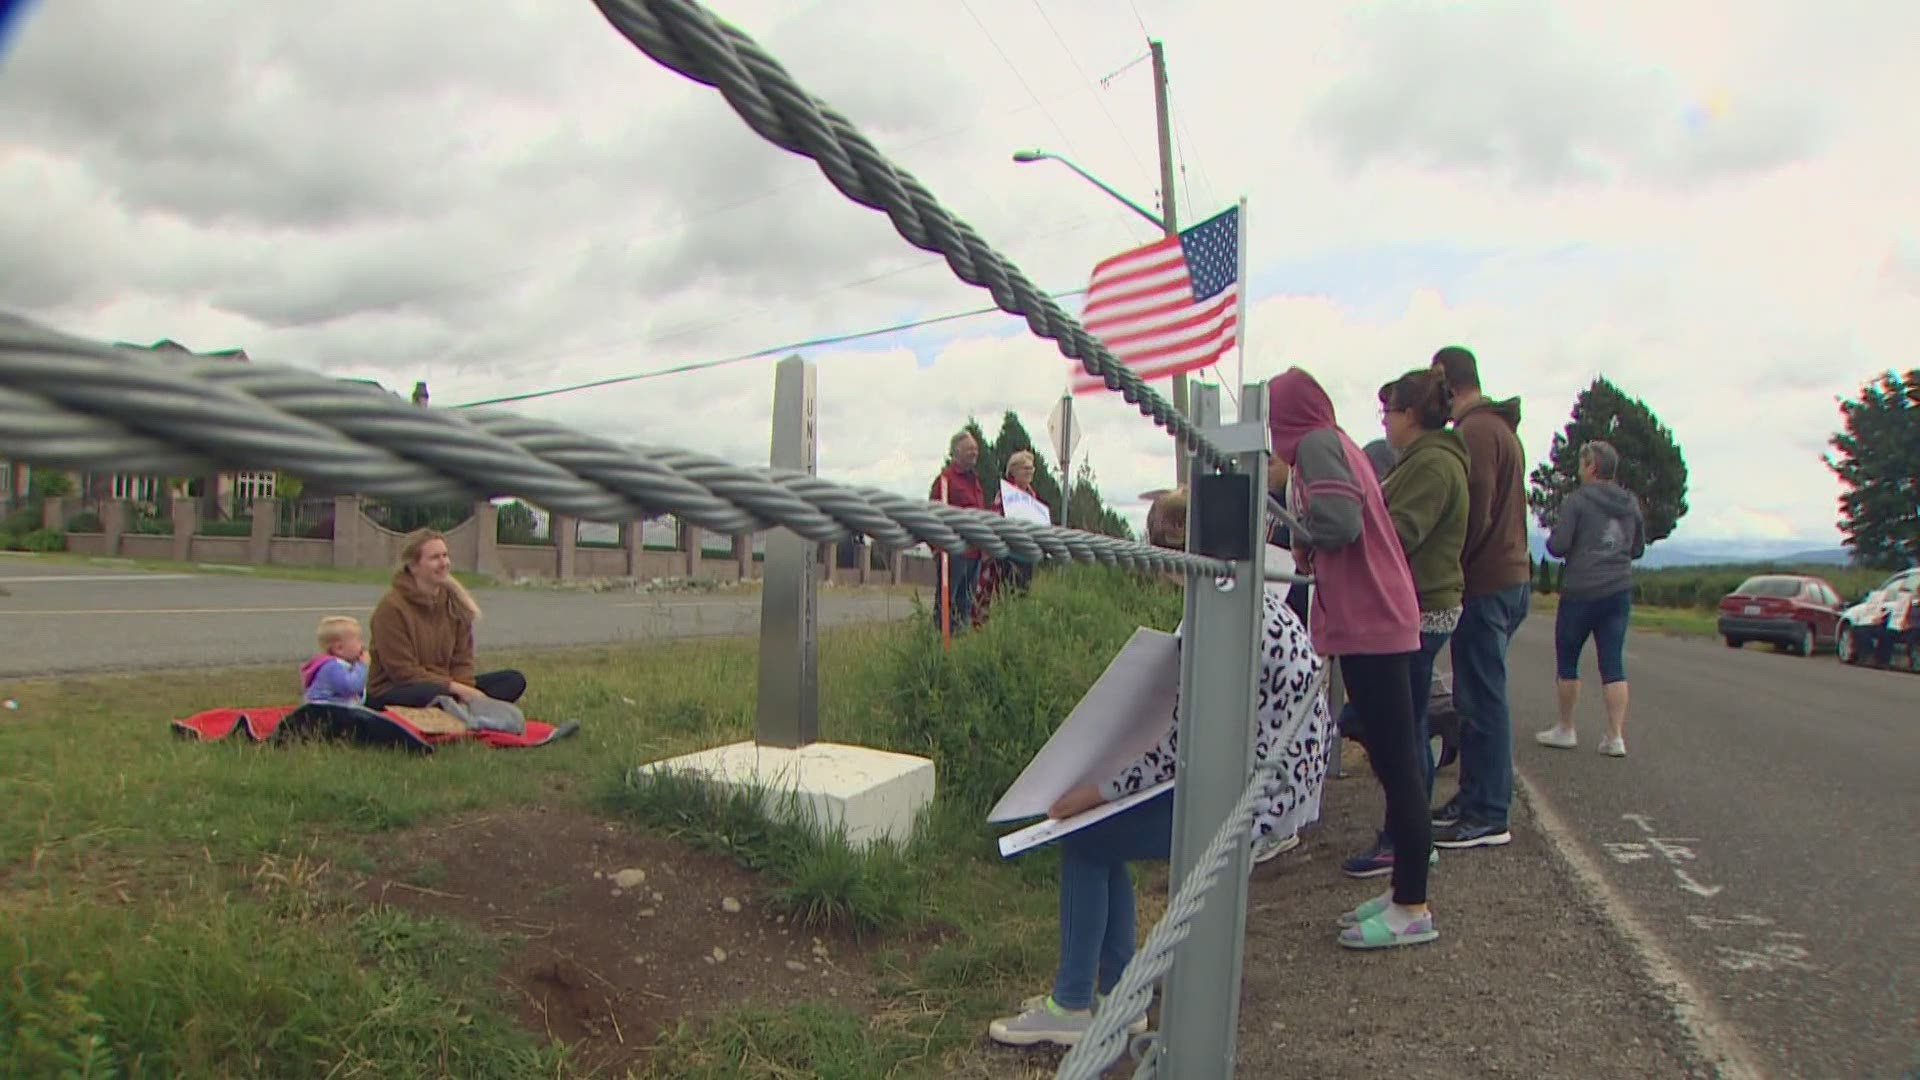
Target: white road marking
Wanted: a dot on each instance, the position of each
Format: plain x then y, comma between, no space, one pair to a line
1675,850
64,579
1697,1011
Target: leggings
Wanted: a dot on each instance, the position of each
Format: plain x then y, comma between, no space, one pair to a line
504,685
1604,619
1382,695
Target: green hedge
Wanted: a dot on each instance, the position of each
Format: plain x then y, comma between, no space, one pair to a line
984,708
1701,587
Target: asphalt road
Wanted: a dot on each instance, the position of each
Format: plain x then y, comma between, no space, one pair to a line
65,618
1762,829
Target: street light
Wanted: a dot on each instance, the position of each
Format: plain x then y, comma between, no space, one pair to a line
1025,157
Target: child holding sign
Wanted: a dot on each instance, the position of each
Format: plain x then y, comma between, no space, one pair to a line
1096,889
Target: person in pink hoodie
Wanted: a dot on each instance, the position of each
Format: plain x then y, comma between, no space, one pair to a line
1366,613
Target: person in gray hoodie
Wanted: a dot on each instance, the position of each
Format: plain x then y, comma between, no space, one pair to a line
1600,532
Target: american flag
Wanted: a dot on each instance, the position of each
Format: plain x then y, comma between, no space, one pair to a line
1168,307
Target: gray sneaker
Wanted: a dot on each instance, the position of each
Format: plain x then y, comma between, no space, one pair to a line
1041,1003
1043,1022
1272,846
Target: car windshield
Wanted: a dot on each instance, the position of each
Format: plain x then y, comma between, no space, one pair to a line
1770,586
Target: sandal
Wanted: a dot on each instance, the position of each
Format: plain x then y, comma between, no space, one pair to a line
1374,933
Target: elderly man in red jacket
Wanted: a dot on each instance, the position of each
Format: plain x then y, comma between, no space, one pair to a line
959,485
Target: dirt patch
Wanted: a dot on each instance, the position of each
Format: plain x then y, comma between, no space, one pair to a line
620,934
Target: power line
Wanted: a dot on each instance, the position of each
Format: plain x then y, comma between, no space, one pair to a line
921,263
703,365
1021,79
1097,100
1185,137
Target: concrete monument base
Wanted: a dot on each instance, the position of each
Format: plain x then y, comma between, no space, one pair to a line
865,794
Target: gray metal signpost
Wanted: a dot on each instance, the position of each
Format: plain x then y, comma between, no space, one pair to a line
789,700
1200,1012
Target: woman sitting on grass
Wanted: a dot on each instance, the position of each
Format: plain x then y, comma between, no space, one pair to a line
1096,890
423,635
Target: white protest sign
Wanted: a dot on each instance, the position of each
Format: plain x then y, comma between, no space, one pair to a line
1126,711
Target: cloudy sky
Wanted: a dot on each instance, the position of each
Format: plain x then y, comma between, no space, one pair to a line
1709,202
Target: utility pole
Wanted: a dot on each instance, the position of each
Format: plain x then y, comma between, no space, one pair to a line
1169,219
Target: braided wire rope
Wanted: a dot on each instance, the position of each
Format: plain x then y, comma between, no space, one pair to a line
1106,1038
75,404
687,38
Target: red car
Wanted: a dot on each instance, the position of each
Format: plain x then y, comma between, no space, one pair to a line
1797,611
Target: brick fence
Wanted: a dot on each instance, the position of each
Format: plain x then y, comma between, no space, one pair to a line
359,541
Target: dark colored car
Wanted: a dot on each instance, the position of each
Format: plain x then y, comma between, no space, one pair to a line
1799,612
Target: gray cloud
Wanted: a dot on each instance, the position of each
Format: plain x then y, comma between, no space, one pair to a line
236,114
1506,88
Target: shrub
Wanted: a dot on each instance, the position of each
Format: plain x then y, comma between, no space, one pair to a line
1701,587
21,521
983,709
44,541
230,527
86,521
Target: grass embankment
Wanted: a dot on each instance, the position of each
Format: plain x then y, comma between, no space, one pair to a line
1686,600
168,908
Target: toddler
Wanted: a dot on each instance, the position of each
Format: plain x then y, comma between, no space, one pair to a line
338,675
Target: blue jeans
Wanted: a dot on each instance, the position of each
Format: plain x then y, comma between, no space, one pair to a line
1096,896
1604,619
1487,626
963,577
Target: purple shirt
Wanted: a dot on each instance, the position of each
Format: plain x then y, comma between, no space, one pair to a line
332,680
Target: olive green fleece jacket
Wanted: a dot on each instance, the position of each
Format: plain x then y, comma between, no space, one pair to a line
1427,499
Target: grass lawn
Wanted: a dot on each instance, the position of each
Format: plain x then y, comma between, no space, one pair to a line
1683,622
169,908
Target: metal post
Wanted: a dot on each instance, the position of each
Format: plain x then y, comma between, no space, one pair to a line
789,702
1336,700
1169,220
1219,665
1066,455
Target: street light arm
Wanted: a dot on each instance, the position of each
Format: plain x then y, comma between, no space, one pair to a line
1026,156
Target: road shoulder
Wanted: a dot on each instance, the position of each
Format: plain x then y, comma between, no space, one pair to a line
1531,977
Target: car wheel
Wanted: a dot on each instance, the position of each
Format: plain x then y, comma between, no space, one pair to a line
1805,645
1843,646
1734,643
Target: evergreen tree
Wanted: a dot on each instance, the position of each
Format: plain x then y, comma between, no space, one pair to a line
1651,464
1877,458
1087,511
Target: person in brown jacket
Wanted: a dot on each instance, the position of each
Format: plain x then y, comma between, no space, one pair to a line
423,635
1499,588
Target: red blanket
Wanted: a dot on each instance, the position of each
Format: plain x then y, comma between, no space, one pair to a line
350,722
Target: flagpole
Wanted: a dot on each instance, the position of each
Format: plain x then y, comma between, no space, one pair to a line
1240,317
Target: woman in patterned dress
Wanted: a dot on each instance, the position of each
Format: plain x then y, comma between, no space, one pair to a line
1096,889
